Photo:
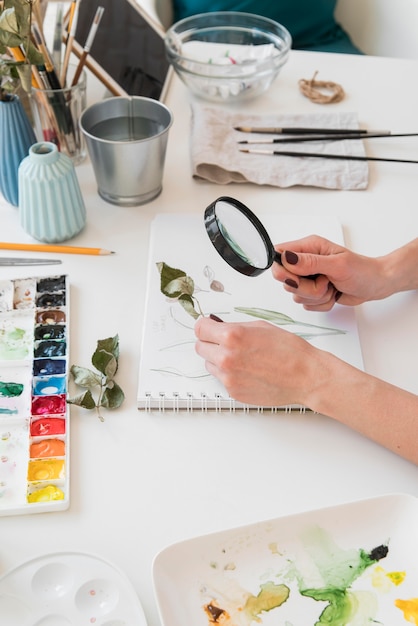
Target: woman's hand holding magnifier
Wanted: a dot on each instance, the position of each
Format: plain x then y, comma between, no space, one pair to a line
343,276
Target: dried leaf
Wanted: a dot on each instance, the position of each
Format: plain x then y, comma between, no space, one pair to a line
112,397
84,400
111,344
105,362
85,377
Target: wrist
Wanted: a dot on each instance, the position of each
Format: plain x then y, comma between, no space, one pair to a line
330,377
400,269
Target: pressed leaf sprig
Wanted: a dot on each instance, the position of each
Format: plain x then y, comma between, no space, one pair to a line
108,394
176,284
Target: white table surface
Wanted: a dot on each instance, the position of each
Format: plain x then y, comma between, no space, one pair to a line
140,482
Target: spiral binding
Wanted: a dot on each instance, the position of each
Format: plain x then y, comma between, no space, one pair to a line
206,404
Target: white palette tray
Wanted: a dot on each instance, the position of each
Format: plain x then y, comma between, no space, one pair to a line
352,564
68,589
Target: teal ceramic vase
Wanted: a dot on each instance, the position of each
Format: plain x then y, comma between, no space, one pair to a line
16,137
51,205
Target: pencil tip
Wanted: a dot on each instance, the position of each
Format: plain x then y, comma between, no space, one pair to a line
242,129
243,141
244,150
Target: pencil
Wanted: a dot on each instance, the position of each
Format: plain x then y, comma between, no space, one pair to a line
320,155
309,131
89,42
35,247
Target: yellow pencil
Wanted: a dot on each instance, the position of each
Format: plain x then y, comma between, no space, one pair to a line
35,247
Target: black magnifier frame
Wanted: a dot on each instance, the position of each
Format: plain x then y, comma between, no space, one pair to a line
224,247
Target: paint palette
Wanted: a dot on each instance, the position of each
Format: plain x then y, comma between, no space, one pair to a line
68,588
351,564
34,416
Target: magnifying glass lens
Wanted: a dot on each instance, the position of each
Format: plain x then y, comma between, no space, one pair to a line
241,235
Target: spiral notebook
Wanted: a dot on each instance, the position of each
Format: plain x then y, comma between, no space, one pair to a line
171,375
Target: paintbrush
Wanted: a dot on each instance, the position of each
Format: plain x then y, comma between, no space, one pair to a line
87,46
309,131
324,138
342,157
23,261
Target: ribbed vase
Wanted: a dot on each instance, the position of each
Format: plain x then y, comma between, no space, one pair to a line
51,205
16,137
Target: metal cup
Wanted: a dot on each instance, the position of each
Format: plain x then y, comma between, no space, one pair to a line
127,140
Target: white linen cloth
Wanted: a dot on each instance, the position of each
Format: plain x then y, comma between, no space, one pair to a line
216,156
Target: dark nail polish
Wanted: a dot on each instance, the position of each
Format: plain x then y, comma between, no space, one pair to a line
215,318
291,283
338,295
291,257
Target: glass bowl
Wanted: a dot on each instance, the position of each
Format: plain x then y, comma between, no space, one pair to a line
227,56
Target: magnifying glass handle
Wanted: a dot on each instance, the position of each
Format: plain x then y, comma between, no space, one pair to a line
277,258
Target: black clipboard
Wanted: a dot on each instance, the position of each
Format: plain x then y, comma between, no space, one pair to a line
128,53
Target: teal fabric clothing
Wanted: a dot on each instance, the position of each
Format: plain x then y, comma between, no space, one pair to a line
310,22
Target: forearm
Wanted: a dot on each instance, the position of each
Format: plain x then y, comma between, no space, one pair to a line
400,268
378,410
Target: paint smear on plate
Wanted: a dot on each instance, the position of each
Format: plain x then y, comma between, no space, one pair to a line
409,609
323,572
15,391
16,336
338,569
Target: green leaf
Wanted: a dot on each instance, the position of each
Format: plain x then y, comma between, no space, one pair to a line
174,282
8,23
265,314
85,377
84,400
112,397
188,305
111,344
280,319
25,75
179,287
105,362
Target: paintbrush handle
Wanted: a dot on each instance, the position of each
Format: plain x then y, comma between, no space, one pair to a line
343,157
309,131
334,138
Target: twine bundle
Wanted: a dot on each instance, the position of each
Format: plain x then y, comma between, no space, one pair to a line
321,91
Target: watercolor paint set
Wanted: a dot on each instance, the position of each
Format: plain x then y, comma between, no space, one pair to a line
34,414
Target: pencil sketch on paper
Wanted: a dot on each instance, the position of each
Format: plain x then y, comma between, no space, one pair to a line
181,289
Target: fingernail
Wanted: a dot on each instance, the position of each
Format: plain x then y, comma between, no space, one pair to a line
291,257
215,318
291,283
338,295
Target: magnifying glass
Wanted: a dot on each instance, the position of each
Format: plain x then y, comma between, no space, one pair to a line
240,237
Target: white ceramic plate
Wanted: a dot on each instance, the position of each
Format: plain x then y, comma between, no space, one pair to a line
68,589
354,564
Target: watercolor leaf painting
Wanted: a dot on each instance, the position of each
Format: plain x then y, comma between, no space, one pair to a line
177,285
